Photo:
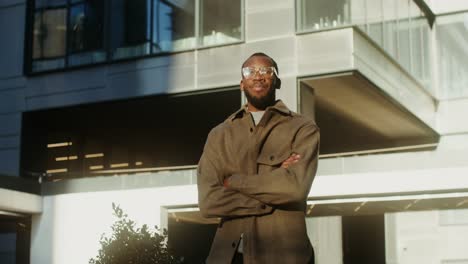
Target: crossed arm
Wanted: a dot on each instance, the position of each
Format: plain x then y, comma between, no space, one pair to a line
243,195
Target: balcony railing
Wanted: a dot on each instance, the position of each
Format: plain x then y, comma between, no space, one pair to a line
399,27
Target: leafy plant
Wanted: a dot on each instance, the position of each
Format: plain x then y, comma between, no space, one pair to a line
131,245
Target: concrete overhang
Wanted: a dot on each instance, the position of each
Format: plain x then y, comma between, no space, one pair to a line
355,206
371,194
361,98
19,196
355,116
15,202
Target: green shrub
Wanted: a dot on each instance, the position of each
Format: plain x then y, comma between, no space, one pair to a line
128,244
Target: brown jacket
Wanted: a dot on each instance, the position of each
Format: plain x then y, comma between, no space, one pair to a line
263,201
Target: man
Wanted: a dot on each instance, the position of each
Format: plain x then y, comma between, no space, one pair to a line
255,174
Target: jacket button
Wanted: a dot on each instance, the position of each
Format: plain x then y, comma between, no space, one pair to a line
272,157
251,130
233,244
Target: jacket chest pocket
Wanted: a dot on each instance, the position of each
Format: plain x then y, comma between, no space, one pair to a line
269,160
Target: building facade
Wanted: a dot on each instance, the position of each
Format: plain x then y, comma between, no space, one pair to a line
107,102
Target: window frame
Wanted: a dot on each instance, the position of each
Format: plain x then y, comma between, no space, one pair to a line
29,29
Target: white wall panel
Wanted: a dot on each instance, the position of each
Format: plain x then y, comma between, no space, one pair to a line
421,239
453,242
450,114
325,52
12,100
282,50
10,123
447,6
12,22
390,182
12,83
454,142
10,141
288,93
325,234
20,202
72,221
68,98
404,161
59,83
152,76
270,21
253,6
219,67
10,161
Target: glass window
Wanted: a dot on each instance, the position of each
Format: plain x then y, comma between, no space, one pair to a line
219,22
123,136
175,22
398,26
49,35
130,28
86,24
358,14
403,34
390,29
374,16
321,14
452,55
419,31
67,33
49,3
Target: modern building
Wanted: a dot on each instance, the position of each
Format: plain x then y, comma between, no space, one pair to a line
110,101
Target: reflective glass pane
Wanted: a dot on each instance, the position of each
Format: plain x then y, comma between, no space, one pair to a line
403,34
130,28
419,31
390,30
374,20
86,32
49,3
49,33
220,22
452,55
175,25
358,14
321,14
49,39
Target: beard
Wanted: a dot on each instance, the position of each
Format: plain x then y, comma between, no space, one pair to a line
263,102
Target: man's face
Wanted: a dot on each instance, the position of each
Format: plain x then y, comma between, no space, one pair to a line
259,88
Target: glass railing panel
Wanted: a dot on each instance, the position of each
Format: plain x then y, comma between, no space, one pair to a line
398,27
374,15
390,28
324,14
452,55
420,47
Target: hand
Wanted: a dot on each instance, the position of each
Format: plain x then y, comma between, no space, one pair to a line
226,182
294,158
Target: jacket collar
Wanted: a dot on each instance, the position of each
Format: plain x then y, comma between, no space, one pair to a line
279,106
